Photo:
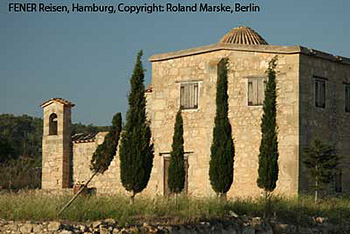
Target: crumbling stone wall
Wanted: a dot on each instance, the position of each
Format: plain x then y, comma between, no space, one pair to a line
109,182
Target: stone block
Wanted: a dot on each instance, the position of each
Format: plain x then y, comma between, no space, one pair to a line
53,226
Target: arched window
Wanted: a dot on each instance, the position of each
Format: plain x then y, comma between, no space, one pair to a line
53,124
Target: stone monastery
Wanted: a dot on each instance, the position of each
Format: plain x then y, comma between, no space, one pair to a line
313,100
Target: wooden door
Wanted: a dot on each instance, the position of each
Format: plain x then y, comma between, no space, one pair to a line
166,166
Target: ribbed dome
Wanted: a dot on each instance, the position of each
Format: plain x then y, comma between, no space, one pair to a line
244,36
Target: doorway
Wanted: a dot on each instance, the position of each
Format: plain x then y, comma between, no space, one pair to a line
166,166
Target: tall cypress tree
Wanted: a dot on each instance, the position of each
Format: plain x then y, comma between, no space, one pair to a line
136,150
268,156
105,152
222,148
176,170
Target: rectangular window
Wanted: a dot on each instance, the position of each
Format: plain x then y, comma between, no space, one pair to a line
189,96
320,93
256,91
347,98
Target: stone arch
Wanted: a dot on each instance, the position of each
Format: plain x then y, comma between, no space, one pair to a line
53,124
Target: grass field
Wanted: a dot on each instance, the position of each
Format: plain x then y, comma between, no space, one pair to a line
29,206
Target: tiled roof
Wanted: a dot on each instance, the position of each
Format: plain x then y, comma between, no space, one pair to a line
60,100
83,138
244,36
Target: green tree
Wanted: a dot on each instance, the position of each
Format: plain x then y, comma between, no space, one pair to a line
320,159
176,170
5,150
88,129
222,148
268,156
19,173
105,152
136,150
23,134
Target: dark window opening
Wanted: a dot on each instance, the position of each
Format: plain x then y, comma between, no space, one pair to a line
347,98
320,93
53,124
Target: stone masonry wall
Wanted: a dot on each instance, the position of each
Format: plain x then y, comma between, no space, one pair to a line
167,76
330,124
109,182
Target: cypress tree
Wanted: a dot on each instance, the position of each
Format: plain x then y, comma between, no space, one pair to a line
176,170
136,150
321,160
222,148
105,152
268,156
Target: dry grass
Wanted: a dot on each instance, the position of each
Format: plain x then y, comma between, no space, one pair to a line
28,206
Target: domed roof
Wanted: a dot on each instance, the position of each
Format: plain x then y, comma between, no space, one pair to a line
244,36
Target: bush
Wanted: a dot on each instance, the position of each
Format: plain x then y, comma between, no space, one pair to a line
21,173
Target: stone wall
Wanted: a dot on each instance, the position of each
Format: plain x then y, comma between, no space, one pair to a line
330,124
167,76
109,182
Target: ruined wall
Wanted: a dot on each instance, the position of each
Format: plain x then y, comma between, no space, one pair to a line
109,182
330,124
167,76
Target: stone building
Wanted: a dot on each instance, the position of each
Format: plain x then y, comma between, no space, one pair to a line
313,89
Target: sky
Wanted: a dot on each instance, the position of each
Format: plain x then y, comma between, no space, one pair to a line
88,58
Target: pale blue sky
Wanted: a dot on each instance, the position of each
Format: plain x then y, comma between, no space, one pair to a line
88,58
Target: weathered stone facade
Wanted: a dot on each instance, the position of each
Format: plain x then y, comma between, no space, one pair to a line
332,123
245,120
297,117
109,182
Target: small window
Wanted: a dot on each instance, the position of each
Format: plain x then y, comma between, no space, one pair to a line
53,124
256,91
347,98
189,96
338,181
320,93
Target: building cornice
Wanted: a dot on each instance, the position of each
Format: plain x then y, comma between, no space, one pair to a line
274,49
